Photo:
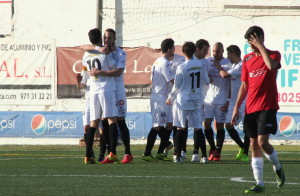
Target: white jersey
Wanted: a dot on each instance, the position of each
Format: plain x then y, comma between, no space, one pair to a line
218,90
235,81
101,61
120,57
177,60
187,89
161,75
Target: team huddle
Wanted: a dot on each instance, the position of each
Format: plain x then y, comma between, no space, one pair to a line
188,91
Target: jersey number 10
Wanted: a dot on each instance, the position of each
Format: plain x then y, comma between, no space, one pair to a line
95,63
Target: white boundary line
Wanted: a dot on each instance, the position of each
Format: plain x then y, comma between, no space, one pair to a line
234,179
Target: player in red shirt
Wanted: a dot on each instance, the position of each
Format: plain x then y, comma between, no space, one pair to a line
259,85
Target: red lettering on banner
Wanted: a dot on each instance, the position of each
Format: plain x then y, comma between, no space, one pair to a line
40,72
15,69
4,70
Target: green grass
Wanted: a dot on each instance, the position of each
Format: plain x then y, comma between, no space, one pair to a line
59,170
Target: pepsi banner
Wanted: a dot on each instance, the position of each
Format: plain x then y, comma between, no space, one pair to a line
70,125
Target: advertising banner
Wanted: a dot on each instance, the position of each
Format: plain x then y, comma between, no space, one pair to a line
27,72
136,75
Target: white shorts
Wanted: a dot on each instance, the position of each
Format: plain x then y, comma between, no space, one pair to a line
121,104
160,111
194,118
103,105
86,112
230,112
214,111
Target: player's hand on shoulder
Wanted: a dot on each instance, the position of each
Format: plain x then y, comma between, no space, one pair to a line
168,102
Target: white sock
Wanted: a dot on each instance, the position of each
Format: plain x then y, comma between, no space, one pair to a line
257,164
273,158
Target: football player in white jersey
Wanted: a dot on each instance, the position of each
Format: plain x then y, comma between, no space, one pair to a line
215,101
187,91
120,57
162,75
175,61
102,102
202,47
234,55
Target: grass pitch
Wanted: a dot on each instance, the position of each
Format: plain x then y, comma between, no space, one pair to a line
59,170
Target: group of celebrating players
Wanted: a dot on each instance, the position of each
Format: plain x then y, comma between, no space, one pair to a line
190,91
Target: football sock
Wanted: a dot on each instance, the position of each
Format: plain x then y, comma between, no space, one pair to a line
105,132
150,141
163,134
220,139
179,141
174,136
113,137
273,158
246,144
84,137
168,135
235,136
102,145
196,141
90,141
201,140
209,134
185,136
125,135
257,164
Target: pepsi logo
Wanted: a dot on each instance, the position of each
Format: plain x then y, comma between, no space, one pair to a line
38,124
287,126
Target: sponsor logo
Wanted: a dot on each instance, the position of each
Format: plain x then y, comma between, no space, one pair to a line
38,124
7,124
247,48
287,126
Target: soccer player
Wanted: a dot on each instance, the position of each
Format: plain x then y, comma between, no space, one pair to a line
175,61
215,101
102,90
234,55
259,85
161,112
120,57
187,91
202,47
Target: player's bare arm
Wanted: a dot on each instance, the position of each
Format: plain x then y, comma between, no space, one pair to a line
105,50
79,79
223,73
241,96
94,72
258,43
112,73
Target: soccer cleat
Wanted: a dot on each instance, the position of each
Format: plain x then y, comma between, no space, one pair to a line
89,160
127,159
211,154
106,161
255,189
204,160
162,157
217,157
178,160
148,158
245,158
195,158
113,157
183,155
240,154
169,147
100,159
280,177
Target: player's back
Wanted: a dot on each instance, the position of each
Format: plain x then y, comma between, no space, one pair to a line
100,61
192,75
161,76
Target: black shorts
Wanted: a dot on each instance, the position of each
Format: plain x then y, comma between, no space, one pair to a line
260,123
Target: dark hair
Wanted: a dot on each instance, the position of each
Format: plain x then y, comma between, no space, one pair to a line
200,43
166,45
189,49
234,49
111,31
254,29
95,36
